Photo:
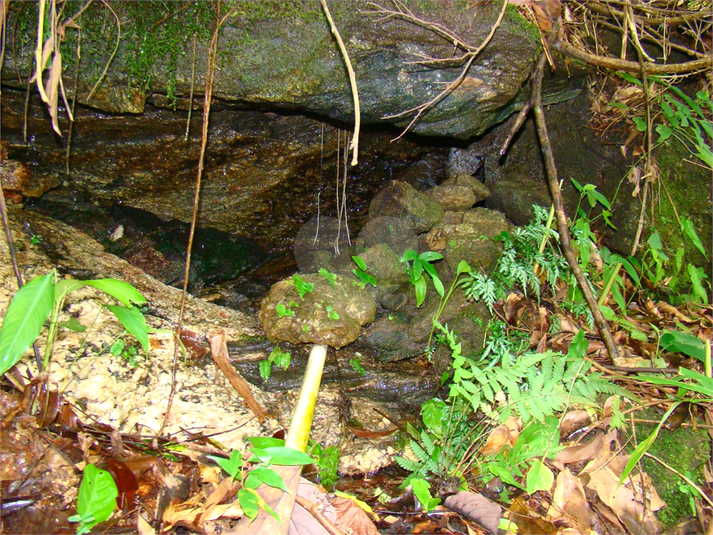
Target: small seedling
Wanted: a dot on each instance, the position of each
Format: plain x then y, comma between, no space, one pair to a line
355,363
303,287
331,313
360,271
97,499
419,268
278,357
283,310
331,278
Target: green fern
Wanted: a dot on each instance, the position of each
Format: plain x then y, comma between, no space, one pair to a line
535,385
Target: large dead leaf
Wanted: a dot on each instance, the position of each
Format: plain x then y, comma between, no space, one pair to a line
569,504
637,517
581,452
351,518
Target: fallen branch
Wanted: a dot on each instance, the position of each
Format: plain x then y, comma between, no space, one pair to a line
219,351
534,103
688,67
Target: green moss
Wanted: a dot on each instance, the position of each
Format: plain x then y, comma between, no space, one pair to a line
529,29
684,189
685,449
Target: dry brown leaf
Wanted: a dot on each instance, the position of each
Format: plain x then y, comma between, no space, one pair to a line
622,500
281,502
665,307
574,421
512,306
477,508
569,501
143,527
219,350
604,454
503,434
351,518
607,409
581,452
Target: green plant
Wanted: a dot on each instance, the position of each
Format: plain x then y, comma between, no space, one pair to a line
303,287
361,272
328,464
283,310
331,313
130,353
265,452
356,365
43,297
331,278
534,386
278,357
97,499
419,269
522,263
692,388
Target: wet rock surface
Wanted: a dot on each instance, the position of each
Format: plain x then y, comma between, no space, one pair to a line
283,55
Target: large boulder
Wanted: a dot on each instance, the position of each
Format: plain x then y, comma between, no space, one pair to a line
331,314
283,55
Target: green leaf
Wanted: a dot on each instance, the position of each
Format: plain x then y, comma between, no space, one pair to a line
232,465
682,342
664,132
24,319
303,287
409,255
639,123
630,78
421,491
697,275
359,262
539,477
268,476
248,503
67,286
265,442
265,368
330,277
119,290
97,496
73,325
434,414
281,455
133,321
430,256
690,231
420,287
645,444
438,285
463,267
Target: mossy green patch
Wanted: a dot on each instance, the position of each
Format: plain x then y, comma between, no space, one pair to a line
685,449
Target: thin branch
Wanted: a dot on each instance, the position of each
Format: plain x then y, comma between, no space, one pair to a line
472,53
210,77
354,146
116,48
688,67
534,103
